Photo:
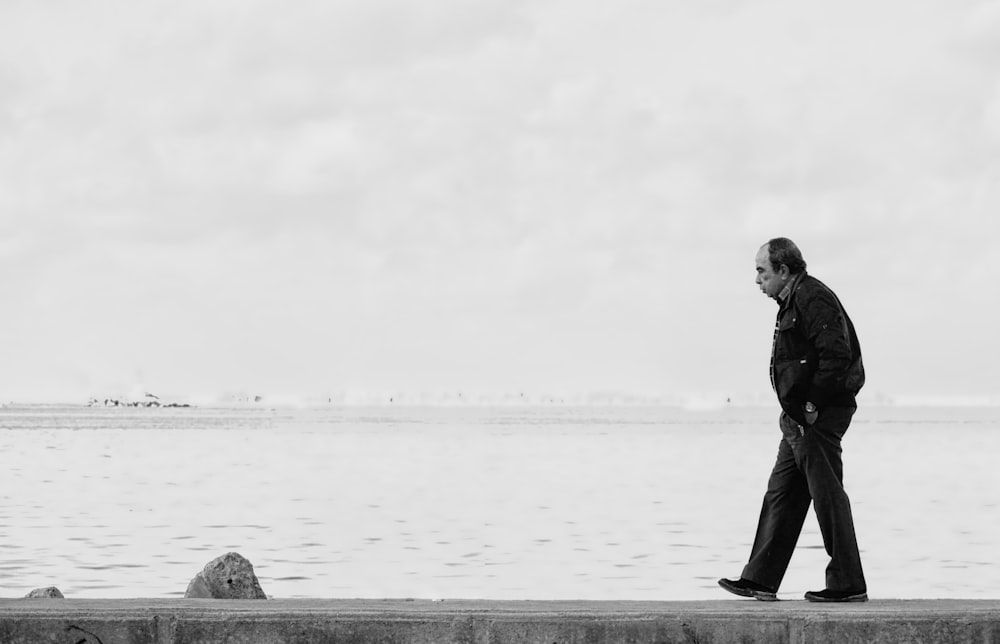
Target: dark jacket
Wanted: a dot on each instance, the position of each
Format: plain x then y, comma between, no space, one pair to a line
816,356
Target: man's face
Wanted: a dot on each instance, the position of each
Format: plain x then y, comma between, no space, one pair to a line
769,280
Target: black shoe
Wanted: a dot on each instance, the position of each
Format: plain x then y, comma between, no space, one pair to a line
747,588
828,595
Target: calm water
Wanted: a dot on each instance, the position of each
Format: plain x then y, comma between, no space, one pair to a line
505,503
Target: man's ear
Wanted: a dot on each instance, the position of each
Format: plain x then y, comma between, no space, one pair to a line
784,271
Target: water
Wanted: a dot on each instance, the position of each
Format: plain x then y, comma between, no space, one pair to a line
475,502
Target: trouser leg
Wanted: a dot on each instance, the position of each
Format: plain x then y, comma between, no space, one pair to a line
819,456
782,514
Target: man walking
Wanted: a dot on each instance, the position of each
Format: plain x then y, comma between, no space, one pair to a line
816,371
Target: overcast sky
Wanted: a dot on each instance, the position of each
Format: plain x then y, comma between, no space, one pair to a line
550,196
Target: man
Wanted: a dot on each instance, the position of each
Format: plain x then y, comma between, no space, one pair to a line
816,372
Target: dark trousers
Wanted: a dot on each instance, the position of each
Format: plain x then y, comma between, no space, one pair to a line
809,469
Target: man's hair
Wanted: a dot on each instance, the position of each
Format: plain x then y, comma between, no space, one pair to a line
782,250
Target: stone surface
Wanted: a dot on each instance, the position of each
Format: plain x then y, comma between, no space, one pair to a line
361,621
230,576
49,592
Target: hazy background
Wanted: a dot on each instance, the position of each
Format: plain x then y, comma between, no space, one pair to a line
548,197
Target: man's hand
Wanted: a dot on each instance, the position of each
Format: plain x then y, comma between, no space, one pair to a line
811,413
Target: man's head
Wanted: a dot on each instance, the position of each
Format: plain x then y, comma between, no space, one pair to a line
778,261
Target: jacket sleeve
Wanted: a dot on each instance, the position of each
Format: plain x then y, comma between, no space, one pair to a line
826,329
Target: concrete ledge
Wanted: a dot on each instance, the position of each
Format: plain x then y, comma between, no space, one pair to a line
302,621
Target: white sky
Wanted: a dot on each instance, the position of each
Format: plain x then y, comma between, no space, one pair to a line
489,195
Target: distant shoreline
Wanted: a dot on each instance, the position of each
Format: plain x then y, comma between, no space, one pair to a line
908,402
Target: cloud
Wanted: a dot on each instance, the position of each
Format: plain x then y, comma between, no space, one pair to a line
565,190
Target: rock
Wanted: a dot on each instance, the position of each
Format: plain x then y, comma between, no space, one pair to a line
198,588
230,576
50,592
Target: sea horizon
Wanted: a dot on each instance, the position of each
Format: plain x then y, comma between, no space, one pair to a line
473,398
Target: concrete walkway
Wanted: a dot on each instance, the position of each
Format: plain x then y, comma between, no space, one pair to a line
302,621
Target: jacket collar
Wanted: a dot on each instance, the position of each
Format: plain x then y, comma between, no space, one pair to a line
785,296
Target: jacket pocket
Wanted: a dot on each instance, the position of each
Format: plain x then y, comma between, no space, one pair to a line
792,379
786,339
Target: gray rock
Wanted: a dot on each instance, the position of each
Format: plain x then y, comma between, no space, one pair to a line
230,576
50,592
